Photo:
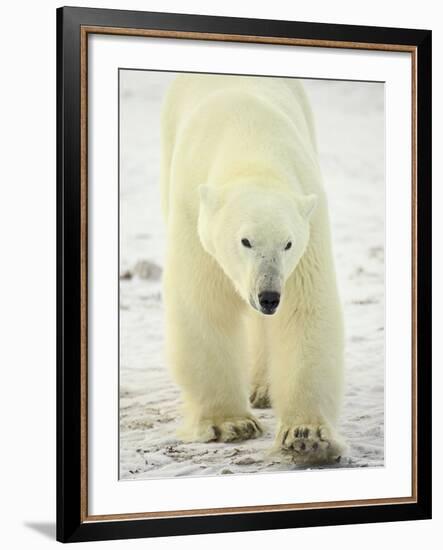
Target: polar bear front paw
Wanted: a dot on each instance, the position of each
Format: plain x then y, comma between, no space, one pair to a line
310,443
235,430
224,430
259,397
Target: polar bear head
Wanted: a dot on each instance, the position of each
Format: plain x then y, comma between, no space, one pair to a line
257,235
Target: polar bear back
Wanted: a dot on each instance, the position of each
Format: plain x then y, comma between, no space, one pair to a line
216,126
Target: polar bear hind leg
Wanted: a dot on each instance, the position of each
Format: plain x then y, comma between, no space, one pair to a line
258,350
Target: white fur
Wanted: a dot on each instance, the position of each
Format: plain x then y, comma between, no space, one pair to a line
239,161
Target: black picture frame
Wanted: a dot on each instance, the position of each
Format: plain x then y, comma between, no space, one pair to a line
71,522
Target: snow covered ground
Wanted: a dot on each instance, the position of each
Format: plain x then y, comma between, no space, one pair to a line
350,127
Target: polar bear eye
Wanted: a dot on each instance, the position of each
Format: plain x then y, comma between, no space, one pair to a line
288,246
245,242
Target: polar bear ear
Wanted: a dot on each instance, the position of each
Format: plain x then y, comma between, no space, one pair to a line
208,196
306,205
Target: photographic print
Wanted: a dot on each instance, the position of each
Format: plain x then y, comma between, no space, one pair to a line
251,274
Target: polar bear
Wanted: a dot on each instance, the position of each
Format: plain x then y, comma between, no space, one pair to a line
252,312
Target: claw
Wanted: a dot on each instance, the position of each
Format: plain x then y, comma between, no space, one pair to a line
285,435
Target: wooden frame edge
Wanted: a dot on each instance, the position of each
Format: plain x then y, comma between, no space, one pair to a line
414,246
282,41
84,274
199,512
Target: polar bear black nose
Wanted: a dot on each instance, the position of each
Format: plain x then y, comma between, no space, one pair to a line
269,301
